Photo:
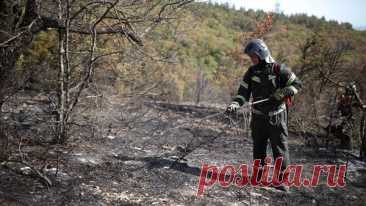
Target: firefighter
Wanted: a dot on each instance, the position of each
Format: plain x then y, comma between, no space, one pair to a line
267,79
343,125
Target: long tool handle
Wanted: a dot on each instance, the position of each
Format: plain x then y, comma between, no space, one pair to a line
259,101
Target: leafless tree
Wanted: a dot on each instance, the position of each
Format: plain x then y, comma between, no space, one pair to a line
80,25
324,68
82,28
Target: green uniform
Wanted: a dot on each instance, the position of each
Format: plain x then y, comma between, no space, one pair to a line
269,119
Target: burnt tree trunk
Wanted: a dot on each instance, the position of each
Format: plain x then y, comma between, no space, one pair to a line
363,136
17,24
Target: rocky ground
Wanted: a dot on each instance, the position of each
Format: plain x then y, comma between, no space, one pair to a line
119,156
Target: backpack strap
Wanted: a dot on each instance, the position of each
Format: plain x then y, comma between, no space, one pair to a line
277,71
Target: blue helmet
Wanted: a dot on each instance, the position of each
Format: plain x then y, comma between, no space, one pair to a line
258,47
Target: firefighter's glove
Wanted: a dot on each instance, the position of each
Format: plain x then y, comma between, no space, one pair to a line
232,107
278,95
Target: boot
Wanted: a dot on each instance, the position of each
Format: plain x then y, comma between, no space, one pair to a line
282,187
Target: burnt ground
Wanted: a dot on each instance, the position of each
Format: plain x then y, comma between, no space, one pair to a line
119,156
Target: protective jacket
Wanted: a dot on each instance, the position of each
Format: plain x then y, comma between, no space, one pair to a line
261,81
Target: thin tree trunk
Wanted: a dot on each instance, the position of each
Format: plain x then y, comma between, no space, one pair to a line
67,56
61,135
62,94
363,136
199,86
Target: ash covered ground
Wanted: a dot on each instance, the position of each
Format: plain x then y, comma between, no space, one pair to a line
119,156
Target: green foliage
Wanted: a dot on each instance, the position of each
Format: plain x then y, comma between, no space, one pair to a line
202,43
204,40
43,48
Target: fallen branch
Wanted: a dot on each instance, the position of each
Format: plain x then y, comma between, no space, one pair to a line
44,179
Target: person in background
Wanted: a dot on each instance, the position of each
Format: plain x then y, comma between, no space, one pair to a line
342,125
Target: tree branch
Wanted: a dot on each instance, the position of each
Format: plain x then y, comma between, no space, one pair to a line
49,23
